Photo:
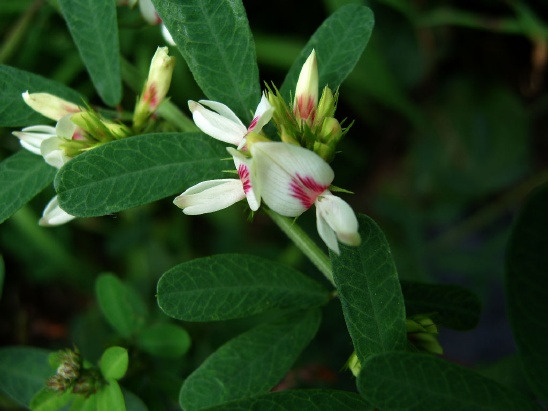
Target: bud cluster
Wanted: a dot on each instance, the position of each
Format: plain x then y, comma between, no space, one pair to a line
71,375
308,122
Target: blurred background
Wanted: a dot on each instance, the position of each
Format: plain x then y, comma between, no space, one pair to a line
450,134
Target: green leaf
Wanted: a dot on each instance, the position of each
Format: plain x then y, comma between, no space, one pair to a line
223,287
370,293
122,307
339,43
14,112
249,364
49,400
527,288
450,305
133,403
110,397
22,176
298,400
113,363
138,170
164,340
94,29
23,372
216,42
410,381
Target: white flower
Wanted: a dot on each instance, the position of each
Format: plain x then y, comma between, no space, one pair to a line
32,137
222,124
54,215
291,179
52,148
148,11
215,195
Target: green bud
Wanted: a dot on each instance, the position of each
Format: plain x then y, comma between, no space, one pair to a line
326,106
98,128
331,131
422,333
323,150
354,365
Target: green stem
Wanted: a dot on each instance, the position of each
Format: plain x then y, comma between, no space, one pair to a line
304,243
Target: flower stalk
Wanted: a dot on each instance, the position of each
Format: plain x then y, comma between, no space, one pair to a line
304,243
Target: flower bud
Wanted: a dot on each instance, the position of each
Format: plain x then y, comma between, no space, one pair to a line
326,106
98,128
156,86
354,365
422,333
306,92
331,131
50,106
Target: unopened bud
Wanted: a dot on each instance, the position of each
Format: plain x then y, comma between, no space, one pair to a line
306,92
423,334
156,86
331,131
50,106
326,106
354,365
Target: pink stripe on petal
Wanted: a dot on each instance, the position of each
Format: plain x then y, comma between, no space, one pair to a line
243,172
306,189
253,124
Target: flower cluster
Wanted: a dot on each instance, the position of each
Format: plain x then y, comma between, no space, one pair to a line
288,176
79,128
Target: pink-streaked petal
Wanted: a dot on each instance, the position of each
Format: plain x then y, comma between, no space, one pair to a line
288,177
167,35
340,217
54,215
50,106
149,12
223,110
262,115
65,128
210,196
243,166
53,153
216,125
306,91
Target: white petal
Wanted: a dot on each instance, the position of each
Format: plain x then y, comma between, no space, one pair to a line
149,12
210,196
167,35
326,232
243,165
31,137
219,126
65,128
288,177
340,218
262,115
54,215
52,151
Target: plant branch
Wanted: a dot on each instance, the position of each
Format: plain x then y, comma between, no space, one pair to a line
304,243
